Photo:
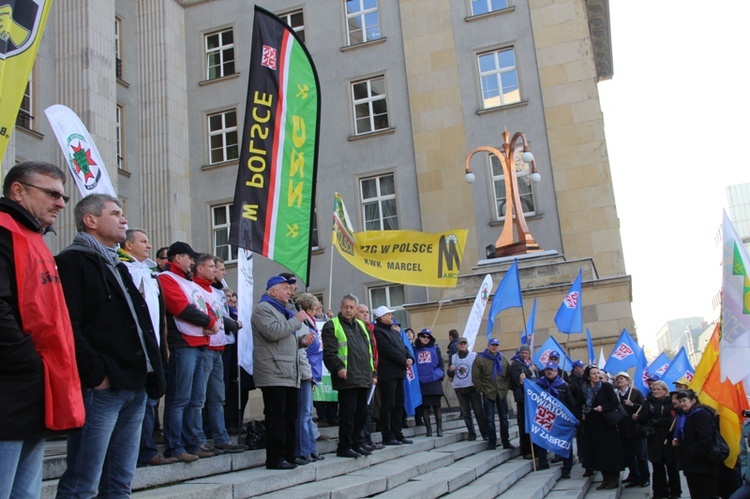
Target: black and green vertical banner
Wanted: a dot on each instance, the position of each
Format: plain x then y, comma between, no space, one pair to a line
274,196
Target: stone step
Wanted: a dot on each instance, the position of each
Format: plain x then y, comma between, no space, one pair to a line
534,485
574,488
495,481
155,476
596,480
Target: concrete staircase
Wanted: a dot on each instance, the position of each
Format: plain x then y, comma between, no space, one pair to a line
448,466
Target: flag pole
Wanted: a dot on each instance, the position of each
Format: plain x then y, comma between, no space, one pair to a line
330,283
440,305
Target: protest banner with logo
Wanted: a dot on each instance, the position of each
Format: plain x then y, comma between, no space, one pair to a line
549,423
624,354
477,311
401,256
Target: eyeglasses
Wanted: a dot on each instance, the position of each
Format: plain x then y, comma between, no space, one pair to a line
53,194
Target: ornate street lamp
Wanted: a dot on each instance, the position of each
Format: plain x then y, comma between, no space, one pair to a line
507,244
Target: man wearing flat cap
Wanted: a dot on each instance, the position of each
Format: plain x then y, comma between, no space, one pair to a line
189,325
275,323
632,431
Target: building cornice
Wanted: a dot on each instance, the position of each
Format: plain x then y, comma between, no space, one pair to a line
601,37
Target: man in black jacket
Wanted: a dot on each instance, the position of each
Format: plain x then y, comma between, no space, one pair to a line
393,361
118,356
632,432
37,353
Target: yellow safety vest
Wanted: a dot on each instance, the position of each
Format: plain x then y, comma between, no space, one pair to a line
343,351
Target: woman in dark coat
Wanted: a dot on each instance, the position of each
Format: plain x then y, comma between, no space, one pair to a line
602,442
694,439
429,362
661,453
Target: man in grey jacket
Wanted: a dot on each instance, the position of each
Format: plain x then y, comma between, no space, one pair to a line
276,368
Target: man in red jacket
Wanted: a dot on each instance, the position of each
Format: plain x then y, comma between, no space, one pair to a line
35,330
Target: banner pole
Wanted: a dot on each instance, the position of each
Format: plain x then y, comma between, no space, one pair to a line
330,284
440,304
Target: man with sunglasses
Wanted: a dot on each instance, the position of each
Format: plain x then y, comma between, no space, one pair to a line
35,331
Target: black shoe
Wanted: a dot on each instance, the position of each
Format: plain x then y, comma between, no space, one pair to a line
528,456
392,441
589,472
472,438
367,447
491,446
556,459
406,441
508,446
362,451
565,474
301,461
316,457
542,467
283,465
348,453
645,484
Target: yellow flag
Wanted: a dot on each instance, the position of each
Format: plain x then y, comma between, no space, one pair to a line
402,256
728,399
22,23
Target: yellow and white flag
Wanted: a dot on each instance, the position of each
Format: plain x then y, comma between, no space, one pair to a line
22,23
402,256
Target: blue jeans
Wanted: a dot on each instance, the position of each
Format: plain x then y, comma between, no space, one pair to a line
148,447
21,468
183,401
212,385
305,444
502,411
102,455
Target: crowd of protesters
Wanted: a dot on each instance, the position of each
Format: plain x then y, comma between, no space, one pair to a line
95,337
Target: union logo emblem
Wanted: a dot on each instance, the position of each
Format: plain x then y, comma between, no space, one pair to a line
82,165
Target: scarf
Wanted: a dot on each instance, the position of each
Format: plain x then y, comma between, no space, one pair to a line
551,387
590,392
497,363
109,254
278,306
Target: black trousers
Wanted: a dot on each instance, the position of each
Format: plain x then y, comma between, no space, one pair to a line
280,409
636,458
391,408
666,480
523,437
469,399
352,417
702,485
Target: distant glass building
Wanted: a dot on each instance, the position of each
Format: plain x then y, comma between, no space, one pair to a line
738,198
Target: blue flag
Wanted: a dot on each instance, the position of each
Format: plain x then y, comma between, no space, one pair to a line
624,355
679,368
541,357
549,423
659,366
412,391
507,295
527,336
590,344
641,373
569,317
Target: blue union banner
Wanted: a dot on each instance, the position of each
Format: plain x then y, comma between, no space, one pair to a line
549,423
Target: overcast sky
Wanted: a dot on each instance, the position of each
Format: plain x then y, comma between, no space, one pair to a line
675,116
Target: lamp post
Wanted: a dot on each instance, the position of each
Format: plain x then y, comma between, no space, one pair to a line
507,244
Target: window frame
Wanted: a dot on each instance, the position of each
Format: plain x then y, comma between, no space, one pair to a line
489,10
524,176
118,48
379,199
231,252
119,136
369,100
399,311
25,116
362,13
223,132
221,50
497,72
287,18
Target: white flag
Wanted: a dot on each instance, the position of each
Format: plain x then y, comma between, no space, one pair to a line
477,311
734,347
83,158
245,309
602,360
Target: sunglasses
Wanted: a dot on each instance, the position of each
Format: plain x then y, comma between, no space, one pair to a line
53,194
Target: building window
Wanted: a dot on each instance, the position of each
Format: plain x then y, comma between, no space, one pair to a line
379,203
392,297
296,21
314,241
118,136
220,217
525,186
222,136
118,48
25,117
219,54
485,6
499,77
362,21
370,107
